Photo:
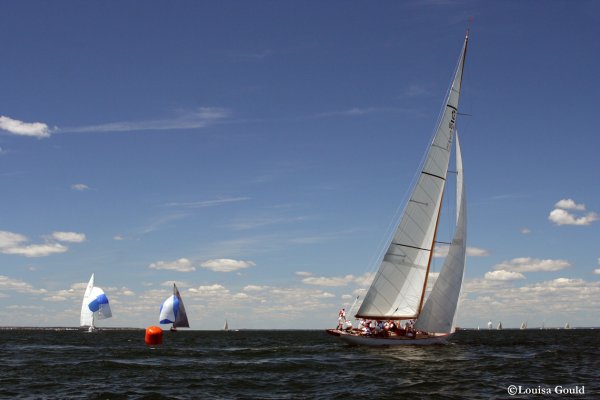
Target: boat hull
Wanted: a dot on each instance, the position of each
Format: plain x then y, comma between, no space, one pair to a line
420,340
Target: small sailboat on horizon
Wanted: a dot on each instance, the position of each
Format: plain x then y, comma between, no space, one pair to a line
523,325
226,326
94,306
499,327
172,311
398,290
567,326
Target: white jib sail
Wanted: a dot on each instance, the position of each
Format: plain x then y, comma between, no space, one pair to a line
439,310
398,287
87,316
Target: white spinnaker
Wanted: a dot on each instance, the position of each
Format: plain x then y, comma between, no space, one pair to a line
87,316
167,311
439,311
397,289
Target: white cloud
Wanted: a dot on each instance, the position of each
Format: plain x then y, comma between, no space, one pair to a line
502,275
569,204
442,251
227,264
562,217
303,273
18,285
334,281
198,118
16,127
525,231
80,187
36,250
597,271
528,264
15,243
208,203
71,237
181,265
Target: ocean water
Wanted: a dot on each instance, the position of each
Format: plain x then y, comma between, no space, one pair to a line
116,364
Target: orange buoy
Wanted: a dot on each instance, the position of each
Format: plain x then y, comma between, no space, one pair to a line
154,335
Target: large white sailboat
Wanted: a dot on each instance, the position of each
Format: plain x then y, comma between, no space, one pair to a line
172,311
94,307
398,289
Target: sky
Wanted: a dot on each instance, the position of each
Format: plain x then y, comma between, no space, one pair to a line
258,153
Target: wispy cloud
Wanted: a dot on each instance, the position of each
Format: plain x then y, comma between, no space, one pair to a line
198,118
207,203
16,127
71,237
442,251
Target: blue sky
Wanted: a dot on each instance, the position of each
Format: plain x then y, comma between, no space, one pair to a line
257,152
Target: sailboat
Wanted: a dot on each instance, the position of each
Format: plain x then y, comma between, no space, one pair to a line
397,292
567,326
94,306
226,326
524,325
172,311
489,324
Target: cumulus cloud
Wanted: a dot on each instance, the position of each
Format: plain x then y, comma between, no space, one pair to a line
597,271
71,237
80,187
442,251
16,127
17,285
181,265
333,281
528,264
226,264
560,215
563,217
502,275
17,244
569,204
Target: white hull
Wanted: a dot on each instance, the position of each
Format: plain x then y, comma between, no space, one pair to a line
436,338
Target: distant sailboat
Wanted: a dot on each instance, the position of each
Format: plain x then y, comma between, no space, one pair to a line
524,325
398,289
490,325
567,326
173,312
499,327
94,306
226,326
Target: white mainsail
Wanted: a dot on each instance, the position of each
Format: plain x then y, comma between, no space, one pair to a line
95,305
439,310
524,325
226,326
398,288
172,311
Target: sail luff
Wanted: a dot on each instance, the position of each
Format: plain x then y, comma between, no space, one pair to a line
87,316
398,287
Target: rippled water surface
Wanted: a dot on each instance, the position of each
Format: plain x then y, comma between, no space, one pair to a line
116,364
